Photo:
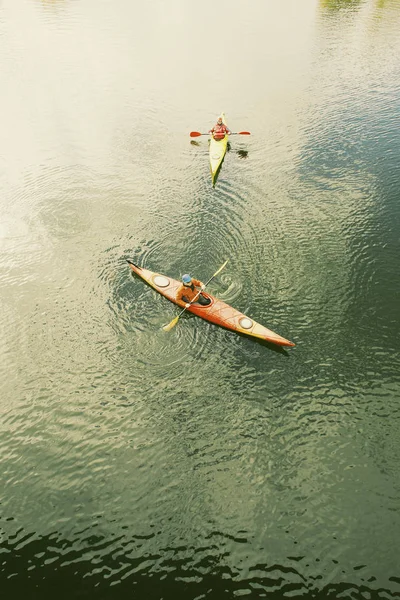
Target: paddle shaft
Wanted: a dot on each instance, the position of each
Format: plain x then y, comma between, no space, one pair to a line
197,133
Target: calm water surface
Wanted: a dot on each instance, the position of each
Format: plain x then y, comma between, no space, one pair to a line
199,464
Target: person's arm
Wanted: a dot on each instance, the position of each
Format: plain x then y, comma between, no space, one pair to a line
197,283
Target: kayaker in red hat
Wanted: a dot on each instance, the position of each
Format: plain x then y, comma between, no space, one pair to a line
219,130
189,289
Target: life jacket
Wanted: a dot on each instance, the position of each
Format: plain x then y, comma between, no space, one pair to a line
189,291
219,131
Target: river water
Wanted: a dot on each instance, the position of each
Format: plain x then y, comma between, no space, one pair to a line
198,463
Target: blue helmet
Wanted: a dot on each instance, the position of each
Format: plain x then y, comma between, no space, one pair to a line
186,278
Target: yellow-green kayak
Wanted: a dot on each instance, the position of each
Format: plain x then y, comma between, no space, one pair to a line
217,151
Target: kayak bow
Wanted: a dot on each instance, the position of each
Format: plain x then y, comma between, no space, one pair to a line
218,312
217,151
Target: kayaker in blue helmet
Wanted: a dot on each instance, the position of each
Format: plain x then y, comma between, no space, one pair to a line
189,291
219,130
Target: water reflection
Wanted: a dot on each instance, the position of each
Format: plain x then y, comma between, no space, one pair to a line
214,463
91,560
240,153
51,3
339,4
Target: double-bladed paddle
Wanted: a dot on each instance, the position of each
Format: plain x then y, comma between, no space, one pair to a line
197,133
174,321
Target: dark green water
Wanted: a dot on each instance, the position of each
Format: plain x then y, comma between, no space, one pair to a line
199,464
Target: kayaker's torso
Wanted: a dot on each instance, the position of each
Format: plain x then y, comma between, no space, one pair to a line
219,131
187,293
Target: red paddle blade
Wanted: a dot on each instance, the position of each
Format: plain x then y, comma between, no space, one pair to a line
195,133
244,132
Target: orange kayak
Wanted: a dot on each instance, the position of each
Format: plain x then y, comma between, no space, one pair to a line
218,312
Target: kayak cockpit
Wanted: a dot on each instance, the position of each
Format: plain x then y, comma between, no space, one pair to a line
198,305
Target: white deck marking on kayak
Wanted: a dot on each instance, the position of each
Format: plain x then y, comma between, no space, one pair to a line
161,281
246,323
